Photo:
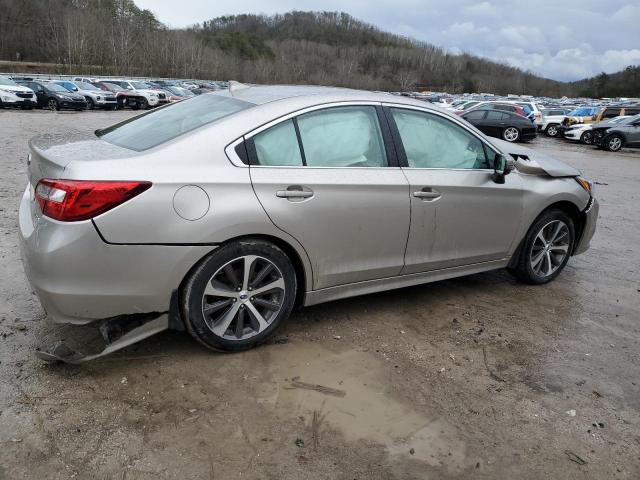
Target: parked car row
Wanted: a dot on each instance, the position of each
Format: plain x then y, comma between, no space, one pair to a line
81,93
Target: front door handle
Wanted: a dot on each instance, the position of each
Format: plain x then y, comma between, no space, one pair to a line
427,194
294,191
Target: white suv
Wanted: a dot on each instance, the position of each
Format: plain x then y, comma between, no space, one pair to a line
152,97
14,95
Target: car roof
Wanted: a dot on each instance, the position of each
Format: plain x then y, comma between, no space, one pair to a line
301,96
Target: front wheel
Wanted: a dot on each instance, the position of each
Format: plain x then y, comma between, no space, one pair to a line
239,296
52,105
511,134
613,143
546,249
587,137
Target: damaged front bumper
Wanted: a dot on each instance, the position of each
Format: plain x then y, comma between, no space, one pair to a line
590,220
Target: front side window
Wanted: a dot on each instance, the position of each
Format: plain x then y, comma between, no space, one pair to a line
278,146
431,141
342,137
475,115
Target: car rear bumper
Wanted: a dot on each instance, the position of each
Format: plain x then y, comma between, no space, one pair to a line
80,279
591,219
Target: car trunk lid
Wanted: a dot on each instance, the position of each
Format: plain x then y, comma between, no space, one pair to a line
50,154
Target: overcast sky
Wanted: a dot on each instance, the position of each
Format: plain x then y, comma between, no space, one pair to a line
564,40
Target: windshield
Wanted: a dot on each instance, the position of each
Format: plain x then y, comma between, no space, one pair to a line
583,111
159,126
86,86
54,87
6,81
139,85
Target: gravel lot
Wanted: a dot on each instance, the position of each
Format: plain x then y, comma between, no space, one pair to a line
476,377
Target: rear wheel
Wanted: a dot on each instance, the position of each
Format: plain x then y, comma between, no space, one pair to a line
239,296
613,143
511,134
552,130
546,249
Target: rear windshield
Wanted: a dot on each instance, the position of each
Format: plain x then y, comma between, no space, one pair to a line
159,126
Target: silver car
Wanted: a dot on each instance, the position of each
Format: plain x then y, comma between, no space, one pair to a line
222,213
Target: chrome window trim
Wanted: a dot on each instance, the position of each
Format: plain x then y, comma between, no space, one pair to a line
233,157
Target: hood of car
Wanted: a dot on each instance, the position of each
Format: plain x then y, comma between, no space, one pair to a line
15,88
534,162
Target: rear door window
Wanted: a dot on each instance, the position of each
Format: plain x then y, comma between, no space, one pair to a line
342,137
278,146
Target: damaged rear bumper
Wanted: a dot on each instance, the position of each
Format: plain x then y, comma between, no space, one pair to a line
82,280
102,338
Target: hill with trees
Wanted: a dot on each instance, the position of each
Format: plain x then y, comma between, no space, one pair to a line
115,37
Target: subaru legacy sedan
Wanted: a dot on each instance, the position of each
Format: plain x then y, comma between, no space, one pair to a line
222,213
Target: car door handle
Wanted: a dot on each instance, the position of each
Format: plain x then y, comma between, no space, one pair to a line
427,194
294,194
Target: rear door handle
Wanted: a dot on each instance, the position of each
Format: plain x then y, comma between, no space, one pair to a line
427,194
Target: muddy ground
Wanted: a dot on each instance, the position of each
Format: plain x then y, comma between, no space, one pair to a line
468,378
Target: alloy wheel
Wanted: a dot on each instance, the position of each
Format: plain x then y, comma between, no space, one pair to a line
552,130
53,105
511,134
615,144
550,248
243,297
587,137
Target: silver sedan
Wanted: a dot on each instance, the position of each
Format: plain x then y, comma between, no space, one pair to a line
222,213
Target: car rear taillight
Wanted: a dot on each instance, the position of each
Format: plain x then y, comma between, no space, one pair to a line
75,200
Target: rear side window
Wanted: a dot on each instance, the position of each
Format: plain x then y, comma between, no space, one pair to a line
497,115
342,137
611,113
158,126
278,146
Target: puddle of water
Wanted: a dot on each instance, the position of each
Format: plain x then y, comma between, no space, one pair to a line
368,410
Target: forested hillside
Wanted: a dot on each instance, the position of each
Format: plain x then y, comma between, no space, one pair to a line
116,37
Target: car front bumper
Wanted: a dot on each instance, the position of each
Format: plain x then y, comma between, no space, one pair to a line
591,219
14,100
80,279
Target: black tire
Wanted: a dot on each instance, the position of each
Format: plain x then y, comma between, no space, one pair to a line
90,103
587,137
192,298
613,143
552,130
53,105
523,270
143,104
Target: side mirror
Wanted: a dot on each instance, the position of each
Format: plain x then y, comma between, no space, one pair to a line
502,166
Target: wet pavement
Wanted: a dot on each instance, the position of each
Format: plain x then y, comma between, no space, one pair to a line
477,377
